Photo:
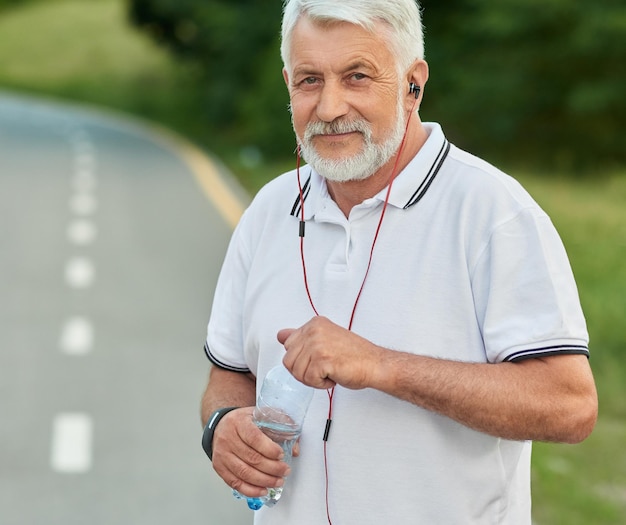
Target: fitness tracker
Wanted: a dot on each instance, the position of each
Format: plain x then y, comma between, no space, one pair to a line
207,435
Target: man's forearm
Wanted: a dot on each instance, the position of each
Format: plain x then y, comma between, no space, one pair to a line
546,399
549,399
227,389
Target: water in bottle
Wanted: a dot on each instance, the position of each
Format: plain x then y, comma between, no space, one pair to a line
279,413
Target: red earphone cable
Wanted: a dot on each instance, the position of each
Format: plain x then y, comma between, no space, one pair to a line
331,391
302,223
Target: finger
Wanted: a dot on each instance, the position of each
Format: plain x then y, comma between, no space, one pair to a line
284,334
245,457
273,465
306,370
250,481
258,444
248,471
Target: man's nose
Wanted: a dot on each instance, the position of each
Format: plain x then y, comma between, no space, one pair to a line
332,102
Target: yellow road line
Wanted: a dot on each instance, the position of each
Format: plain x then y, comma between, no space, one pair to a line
207,175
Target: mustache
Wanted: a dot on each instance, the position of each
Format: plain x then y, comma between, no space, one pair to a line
337,127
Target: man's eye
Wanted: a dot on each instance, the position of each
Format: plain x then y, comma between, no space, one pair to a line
358,76
309,81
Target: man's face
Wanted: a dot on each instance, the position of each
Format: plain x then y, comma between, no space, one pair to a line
346,100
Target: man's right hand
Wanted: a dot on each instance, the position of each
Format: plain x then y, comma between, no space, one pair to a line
245,458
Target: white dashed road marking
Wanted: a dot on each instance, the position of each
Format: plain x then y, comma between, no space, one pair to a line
81,232
72,435
80,272
84,183
77,336
72,432
83,204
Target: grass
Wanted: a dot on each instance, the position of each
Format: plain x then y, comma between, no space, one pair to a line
586,484
60,45
582,484
84,50
591,218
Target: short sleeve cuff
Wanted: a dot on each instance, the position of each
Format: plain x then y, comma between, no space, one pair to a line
221,364
547,351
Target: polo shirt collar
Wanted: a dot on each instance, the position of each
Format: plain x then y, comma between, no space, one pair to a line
412,183
409,186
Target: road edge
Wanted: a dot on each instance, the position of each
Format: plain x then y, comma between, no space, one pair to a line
218,185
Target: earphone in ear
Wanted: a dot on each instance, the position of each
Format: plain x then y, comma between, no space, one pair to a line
414,88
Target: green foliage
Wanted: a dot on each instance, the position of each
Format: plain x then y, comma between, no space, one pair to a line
586,484
4,3
236,43
520,78
512,80
7,4
84,50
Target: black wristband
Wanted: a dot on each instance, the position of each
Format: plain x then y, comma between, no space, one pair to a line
207,435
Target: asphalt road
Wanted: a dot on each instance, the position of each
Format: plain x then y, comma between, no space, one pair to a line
109,252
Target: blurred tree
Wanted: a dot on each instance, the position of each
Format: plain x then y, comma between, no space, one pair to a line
235,42
530,79
9,3
524,80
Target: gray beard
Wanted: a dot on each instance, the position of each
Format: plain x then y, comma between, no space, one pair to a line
364,163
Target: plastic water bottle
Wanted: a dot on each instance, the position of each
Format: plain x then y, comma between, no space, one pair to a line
279,413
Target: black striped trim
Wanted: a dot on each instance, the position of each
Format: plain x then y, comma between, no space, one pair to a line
548,351
306,189
434,170
219,363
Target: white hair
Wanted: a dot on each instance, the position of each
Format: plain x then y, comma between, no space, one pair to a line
403,17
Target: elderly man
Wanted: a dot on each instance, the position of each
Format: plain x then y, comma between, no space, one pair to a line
421,291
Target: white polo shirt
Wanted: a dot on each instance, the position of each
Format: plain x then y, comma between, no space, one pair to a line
467,267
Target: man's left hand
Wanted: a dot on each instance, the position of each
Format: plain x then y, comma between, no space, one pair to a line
321,354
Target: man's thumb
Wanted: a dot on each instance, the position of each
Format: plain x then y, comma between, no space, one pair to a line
284,334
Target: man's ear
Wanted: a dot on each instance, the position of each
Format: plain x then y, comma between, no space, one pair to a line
417,75
286,76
